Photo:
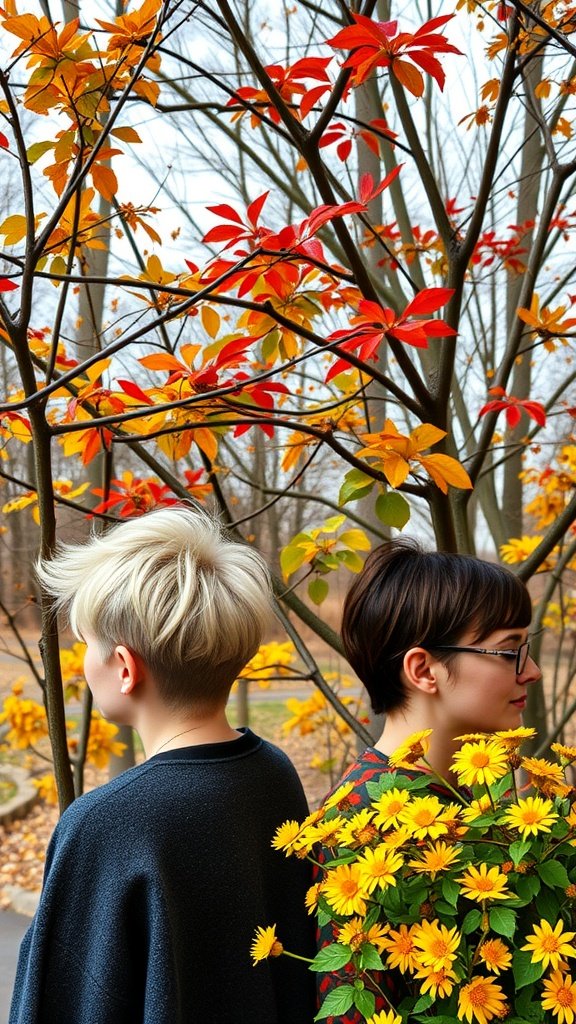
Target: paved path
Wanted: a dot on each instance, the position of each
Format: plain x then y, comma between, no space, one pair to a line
12,928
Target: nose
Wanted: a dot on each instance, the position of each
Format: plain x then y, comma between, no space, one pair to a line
530,674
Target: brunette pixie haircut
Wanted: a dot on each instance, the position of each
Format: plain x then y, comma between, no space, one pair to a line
172,587
407,597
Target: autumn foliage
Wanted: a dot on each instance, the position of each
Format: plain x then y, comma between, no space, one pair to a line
379,300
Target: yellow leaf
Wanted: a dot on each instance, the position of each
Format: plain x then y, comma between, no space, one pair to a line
105,181
13,229
445,470
395,469
126,134
355,539
210,320
426,435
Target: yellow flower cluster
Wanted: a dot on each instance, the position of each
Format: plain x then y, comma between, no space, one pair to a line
270,660
466,898
101,742
26,719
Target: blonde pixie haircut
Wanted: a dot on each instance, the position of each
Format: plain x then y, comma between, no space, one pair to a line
171,587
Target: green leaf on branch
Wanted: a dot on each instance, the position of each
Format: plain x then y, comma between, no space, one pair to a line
503,921
392,509
365,1002
517,851
525,972
553,874
337,1002
370,959
471,922
356,485
331,958
318,591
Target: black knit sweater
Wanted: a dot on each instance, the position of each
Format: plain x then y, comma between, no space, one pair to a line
153,888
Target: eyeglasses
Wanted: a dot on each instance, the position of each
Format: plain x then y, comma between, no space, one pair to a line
521,655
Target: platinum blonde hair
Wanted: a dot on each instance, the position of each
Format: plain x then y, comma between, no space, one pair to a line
170,586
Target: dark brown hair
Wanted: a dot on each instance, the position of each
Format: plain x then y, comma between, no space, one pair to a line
407,597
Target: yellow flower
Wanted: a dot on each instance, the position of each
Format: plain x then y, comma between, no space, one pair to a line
439,983
312,896
550,945
471,737
437,857
481,999
47,791
359,830
514,738
385,1017
476,809
424,816
560,997
26,718
286,836
388,807
325,832
355,934
495,955
343,891
545,776
484,883
401,949
338,796
414,748
480,762
265,944
437,945
377,868
101,742
530,816
566,754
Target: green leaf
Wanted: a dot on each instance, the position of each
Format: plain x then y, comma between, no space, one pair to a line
525,972
517,851
331,958
356,485
471,922
548,904
503,921
318,590
527,887
553,874
291,558
269,346
423,1003
37,150
450,891
365,1002
351,560
370,959
337,1002
392,509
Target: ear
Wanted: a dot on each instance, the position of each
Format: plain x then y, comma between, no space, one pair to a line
129,668
421,670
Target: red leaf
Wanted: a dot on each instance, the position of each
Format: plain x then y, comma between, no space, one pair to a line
4,141
513,416
223,233
6,285
226,211
132,389
428,301
255,208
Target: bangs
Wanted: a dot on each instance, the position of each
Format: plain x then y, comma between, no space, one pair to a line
505,604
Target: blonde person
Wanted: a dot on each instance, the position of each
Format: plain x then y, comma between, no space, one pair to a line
156,881
440,642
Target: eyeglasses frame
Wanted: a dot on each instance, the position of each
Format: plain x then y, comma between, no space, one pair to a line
521,654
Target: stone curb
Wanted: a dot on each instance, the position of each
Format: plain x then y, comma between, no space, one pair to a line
25,797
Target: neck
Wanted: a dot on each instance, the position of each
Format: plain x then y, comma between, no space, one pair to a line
174,732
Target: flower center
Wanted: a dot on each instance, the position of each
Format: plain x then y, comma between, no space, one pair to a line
478,996
350,887
480,759
564,997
